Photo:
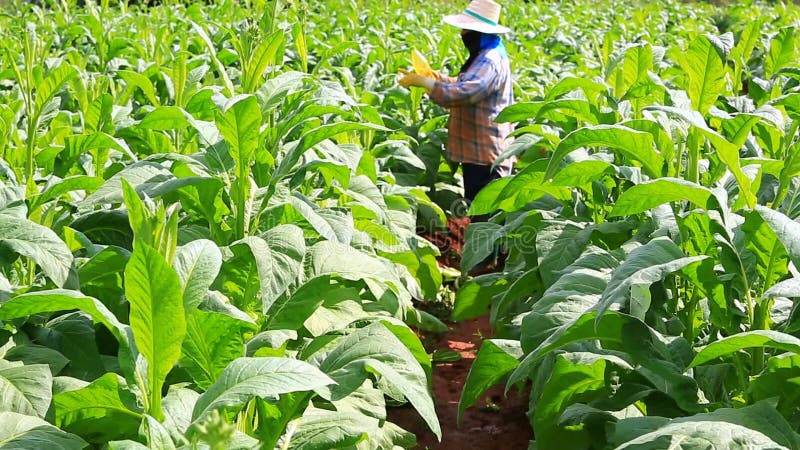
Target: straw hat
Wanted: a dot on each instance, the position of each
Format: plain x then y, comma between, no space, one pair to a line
480,15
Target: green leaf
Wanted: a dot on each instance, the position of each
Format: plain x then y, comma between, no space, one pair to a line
18,431
64,300
212,341
781,51
278,259
157,316
197,265
156,434
635,145
147,177
55,79
567,299
644,266
787,230
319,429
247,378
473,299
240,125
25,389
650,194
779,380
102,411
558,245
703,64
748,339
496,359
165,118
314,137
757,426
479,242
375,349
30,354
61,187
26,238
575,377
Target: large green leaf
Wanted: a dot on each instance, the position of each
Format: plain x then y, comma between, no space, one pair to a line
25,389
314,137
23,237
375,349
756,426
787,230
240,125
64,300
571,296
635,145
247,378
50,86
197,265
102,411
212,341
18,432
703,65
781,51
276,259
644,266
157,317
496,359
146,177
558,245
576,376
779,380
748,339
650,194
319,429
474,297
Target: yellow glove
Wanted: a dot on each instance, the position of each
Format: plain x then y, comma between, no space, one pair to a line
420,64
413,79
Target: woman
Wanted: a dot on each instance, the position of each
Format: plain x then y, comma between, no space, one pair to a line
475,98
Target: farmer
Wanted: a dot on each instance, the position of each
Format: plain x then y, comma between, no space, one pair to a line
481,90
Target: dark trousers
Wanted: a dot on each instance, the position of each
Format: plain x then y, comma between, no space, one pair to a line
476,177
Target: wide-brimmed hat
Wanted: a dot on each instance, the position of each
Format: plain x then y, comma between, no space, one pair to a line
480,15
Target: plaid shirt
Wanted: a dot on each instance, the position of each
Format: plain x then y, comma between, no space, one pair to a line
475,99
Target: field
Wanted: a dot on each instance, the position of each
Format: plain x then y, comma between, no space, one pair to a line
224,225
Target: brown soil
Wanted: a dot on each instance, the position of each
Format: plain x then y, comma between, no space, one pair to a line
494,422
450,241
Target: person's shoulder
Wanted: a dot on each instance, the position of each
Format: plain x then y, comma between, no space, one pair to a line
491,56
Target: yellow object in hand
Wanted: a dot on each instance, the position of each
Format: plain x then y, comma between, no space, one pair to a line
420,64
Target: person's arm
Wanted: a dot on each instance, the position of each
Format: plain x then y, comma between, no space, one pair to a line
443,78
475,86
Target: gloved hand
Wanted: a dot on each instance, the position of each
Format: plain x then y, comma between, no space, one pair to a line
413,79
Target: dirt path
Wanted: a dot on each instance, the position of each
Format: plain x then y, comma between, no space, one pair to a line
495,422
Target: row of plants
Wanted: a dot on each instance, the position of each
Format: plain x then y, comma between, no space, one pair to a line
648,296
202,243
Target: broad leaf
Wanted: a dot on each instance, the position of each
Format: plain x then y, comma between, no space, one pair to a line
787,230
496,359
703,64
212,341
25,389
748,339
650,194
247,378
157,316
26,238
18,431
375,349
102,411
635,145
197,265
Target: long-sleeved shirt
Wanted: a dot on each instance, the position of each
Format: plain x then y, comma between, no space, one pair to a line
475,99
